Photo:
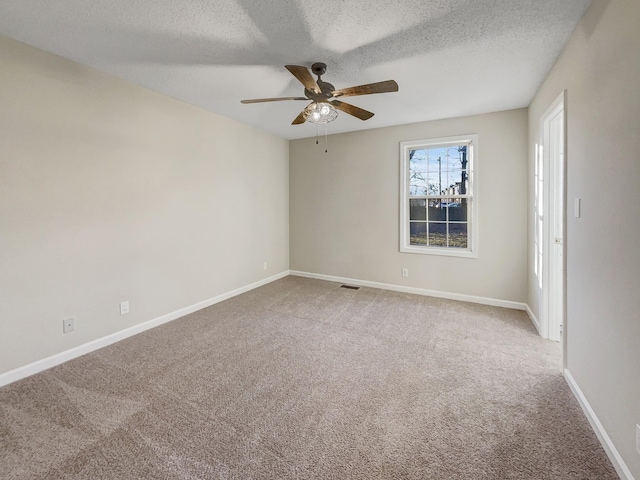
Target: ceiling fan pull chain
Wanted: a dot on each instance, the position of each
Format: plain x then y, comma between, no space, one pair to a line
316,134
326,139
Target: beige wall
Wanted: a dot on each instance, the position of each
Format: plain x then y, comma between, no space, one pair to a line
600,69
344,208
110,192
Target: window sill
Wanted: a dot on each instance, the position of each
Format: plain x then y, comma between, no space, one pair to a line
441,251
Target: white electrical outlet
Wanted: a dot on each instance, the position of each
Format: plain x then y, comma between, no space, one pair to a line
638,438
124,307
265,265
68,325
405,272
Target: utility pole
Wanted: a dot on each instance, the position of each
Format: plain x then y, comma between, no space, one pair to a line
440,178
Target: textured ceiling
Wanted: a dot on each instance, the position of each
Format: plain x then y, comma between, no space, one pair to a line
449,57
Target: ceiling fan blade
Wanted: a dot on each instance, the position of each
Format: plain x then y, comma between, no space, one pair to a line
304,75
368,89
278,99
299,119
352,110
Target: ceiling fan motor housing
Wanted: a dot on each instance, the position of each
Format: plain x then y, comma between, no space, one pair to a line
326,91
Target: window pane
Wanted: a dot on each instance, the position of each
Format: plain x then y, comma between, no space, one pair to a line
458,210
417,172
450,189
437,212
458,235
436,181
418,184
457,180
438,234
459,158
417,209
418,162
455,157
464,186
418,233
437,161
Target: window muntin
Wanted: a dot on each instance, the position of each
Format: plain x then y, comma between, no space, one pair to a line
437,196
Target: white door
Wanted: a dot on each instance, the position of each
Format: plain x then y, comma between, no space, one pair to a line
553,282
556,270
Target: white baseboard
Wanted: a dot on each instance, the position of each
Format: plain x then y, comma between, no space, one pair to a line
49,362
610,449
418,291
534,319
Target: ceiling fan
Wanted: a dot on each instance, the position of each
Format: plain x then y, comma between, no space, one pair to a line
324,96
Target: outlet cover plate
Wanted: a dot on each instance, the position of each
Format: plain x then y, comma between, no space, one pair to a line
68,325
124,307
638,438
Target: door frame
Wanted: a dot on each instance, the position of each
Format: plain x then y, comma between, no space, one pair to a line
553,315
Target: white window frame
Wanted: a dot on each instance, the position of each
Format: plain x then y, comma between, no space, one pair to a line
472,196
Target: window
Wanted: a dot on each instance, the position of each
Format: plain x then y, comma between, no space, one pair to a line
438,201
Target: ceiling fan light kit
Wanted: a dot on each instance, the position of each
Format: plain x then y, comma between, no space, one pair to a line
324,104
320,112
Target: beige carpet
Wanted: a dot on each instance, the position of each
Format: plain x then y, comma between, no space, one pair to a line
303,379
